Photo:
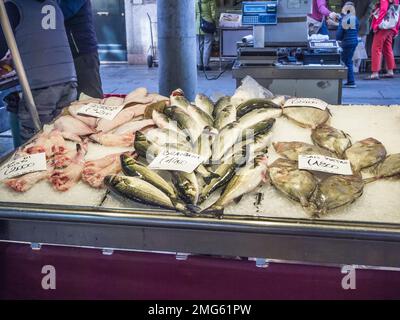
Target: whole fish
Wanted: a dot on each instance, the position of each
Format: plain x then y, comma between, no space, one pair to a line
165,136
255,104
225,140
149,151
244,181
307,117
298,185
187,185
133,126
203,147
251,147
225,171
221,104
199,115
365,153
163,122
234,133
292,150
186,123
133,168
253,117
260,127
180,102
279,100
113,140
331,139
204,103
138,190
389,168
123,117
337,191
225,116
156,106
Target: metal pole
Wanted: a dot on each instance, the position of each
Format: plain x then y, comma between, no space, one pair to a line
12,45
177,47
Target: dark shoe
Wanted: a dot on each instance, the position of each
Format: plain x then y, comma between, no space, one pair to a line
350,85
200,68
207,68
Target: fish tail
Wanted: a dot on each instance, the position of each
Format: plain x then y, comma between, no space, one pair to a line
215,210
369,180
187,209
211,176
202,198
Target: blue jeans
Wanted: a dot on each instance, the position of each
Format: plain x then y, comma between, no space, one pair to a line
347,58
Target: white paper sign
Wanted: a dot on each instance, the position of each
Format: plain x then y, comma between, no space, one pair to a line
325,164
98,110
176,160
306,102
23,165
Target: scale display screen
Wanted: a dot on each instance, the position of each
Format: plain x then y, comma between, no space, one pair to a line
260,12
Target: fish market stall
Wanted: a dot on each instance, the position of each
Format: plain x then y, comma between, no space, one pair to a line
119,184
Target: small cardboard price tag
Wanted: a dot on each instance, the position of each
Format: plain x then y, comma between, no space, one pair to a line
176,160
98,110
325,164
23,165
306,102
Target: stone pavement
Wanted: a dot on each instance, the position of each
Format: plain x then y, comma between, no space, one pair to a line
124,78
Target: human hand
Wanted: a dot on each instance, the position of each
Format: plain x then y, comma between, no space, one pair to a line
334,16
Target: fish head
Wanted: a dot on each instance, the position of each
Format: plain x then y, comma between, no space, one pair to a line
281,146
261,160
128,159
178,93
112,180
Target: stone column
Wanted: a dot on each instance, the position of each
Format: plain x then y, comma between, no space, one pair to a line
177,47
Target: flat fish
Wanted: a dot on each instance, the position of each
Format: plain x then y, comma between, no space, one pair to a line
292,150
298,185
389,168
337,191
366,153
307,117
331,139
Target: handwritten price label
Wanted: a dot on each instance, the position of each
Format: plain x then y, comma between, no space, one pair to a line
325,164
306,102
23,165
175,160
100,111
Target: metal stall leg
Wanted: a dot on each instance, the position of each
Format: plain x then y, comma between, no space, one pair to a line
177,47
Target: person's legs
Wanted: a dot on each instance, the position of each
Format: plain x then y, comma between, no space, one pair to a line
208,39
88,73
388,52
199,50
49,102
376,52
347,57
68,95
